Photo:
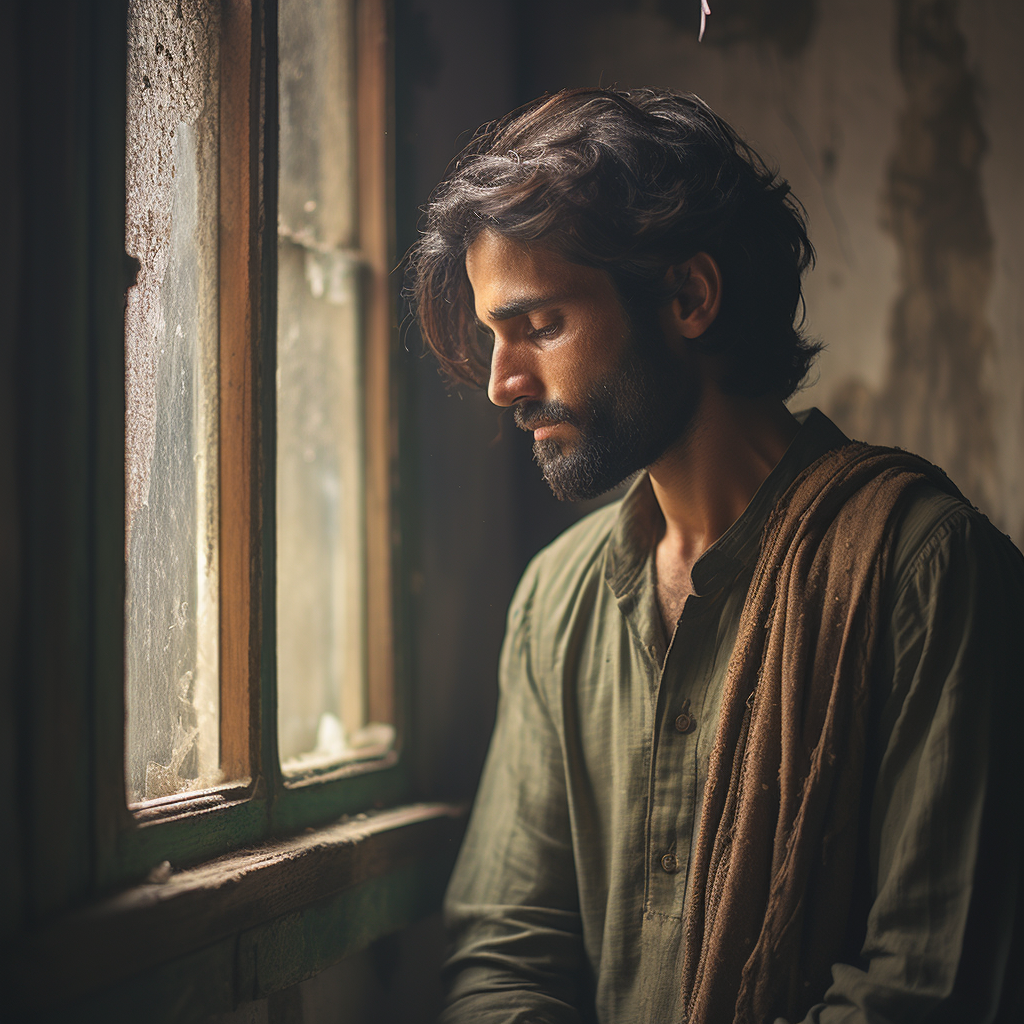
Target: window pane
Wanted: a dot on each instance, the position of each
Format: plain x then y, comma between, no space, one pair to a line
171,331
321,618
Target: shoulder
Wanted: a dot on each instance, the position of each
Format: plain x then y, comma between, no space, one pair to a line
563,579
940,538
952,642
956,594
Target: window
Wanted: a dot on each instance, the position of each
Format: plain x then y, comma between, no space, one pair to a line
171,403
143,495
324,708
208,455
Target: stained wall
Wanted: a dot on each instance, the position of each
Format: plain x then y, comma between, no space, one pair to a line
898,124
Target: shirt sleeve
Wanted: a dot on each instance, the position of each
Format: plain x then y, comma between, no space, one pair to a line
512,907
943,932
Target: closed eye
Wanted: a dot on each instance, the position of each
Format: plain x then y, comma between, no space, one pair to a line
547,331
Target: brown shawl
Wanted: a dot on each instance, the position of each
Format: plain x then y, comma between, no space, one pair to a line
775,856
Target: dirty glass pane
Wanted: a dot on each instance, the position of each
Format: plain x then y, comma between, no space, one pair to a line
171,505
321,621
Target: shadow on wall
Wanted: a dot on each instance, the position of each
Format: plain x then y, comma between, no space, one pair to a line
936,400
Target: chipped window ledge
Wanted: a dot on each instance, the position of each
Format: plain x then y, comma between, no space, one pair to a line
181,912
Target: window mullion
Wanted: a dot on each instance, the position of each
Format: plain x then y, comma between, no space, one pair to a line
239,321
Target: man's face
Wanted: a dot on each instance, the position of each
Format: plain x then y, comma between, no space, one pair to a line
603,398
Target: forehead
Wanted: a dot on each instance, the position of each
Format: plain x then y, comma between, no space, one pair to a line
504,272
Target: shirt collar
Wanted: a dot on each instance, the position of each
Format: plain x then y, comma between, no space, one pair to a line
639,521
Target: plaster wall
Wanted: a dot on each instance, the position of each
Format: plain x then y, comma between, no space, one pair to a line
897,123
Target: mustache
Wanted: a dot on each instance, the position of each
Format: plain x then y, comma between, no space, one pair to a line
530,415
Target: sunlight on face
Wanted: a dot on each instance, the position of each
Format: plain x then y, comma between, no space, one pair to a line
602,399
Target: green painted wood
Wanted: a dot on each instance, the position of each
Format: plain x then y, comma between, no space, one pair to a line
255,962
184,841
320,802
194,837
297,946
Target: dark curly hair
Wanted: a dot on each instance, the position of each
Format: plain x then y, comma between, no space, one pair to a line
632,182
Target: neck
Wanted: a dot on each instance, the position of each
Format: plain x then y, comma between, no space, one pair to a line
705,481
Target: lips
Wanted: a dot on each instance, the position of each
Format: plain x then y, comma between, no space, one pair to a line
541,428
524,421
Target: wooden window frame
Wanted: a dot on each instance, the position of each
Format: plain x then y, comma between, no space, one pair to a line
262,802
257,900
241,256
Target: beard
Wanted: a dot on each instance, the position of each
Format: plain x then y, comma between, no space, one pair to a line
625,422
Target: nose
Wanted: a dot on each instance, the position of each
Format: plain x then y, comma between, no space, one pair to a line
513,376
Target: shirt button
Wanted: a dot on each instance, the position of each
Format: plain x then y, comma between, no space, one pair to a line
669,863
684,720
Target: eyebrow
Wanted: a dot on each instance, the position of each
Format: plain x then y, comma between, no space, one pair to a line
518,307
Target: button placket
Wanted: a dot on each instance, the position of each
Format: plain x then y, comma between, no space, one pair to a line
689,659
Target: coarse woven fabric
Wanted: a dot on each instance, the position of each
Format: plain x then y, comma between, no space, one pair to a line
775,855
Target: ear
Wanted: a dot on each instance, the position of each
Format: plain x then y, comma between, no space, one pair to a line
697,284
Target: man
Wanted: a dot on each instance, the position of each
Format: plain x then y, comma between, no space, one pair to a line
754,749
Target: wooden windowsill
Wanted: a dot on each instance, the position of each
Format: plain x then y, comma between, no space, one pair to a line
154,923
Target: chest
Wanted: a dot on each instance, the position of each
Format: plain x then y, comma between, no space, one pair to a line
673,587
639,724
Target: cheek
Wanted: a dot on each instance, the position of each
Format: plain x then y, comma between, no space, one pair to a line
597,349
572,382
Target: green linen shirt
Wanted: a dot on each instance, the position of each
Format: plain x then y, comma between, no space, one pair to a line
568,900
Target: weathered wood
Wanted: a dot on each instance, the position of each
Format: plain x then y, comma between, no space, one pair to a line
239,300
187,834
373,784
296,946
150,924
268,958
376,241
